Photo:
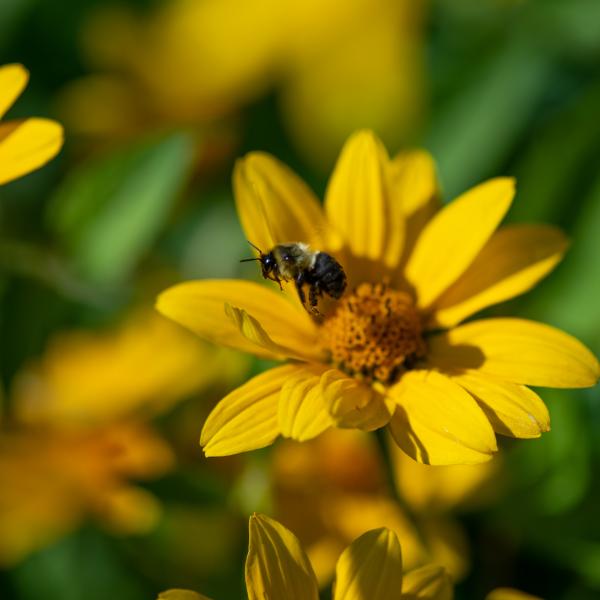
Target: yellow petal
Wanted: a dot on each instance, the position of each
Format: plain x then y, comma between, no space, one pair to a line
254,332
438,423
13,79
371,567
181,595
276,206
246,418
303,412
430,582
517,350
511,263
416,190
512,409
452,239
352,404
27,145
509,594
358,196
277,566
200,306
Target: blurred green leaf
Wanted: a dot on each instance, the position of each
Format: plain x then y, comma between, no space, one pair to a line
477,128
82,566
549,178
570,298
109,211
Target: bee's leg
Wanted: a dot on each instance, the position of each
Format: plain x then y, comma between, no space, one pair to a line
299,283
313,299
276,278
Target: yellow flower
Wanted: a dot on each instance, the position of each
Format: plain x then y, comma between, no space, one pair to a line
333,487
194,63
25,144
78,435
370,568
52,480
141,367
392,351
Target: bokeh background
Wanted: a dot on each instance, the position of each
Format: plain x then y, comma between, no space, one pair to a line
104,491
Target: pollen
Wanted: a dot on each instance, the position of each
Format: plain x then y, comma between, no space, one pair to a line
374,333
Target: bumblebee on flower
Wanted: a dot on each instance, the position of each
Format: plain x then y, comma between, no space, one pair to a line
391,351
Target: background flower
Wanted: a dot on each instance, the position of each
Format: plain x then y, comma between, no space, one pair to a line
140,199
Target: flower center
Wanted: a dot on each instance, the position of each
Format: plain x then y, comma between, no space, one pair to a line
374,333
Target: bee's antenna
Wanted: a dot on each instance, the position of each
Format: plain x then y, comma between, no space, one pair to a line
255,247
249,259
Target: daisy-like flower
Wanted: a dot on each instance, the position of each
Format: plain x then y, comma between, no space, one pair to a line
392,351
370,568
25,144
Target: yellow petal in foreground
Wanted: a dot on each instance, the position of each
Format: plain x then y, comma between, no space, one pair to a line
438,423
277,566
509,594
247,418
200,306
430,582
181,595
302,412
511,263
13,79
358,196
276,206
415,192
452,239
27,145
352,404
512,409
371,567
517,350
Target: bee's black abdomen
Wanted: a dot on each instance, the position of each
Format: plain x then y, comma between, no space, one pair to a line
328,275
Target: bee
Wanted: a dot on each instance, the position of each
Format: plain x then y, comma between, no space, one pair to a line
297,262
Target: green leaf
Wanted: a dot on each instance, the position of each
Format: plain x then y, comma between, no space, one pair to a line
475,130
110,211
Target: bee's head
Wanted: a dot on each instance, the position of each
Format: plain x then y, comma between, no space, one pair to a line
268,264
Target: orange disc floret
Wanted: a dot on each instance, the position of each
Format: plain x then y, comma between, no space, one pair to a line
374,332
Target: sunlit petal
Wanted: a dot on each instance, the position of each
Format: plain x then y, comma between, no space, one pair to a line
371,567
511,263
359,195
13,79
430,582
276,206
277,566
517,350
27,145
200,306
303,412
452,239
512,409
509,594
246,419
353,404
439,423
416,190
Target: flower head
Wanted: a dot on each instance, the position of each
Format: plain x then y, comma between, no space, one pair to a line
25,144
371,567
392,350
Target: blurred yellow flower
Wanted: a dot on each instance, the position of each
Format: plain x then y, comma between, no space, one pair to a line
141,367
25,144
369,569
391,351
77,435
52,480
193,63
509,594
333,487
